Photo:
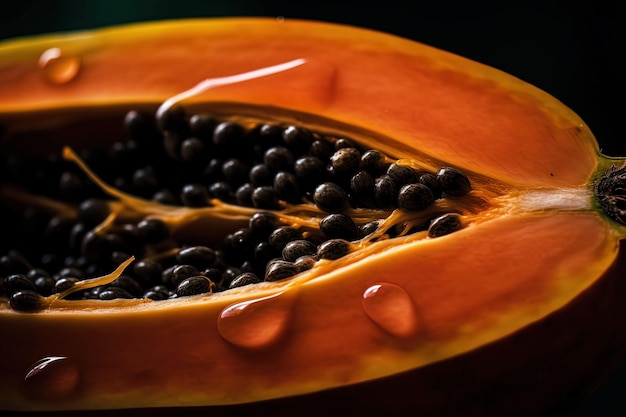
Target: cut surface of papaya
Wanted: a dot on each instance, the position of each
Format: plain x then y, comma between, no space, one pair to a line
458,212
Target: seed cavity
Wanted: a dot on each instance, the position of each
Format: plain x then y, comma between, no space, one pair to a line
190,205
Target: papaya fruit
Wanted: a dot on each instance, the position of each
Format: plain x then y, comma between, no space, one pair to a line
496,291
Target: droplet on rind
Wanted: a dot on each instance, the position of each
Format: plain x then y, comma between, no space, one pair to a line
391,308
257,323
59,67
52,378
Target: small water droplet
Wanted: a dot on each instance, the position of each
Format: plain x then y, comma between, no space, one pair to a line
391,308
256,323
59,67
52,378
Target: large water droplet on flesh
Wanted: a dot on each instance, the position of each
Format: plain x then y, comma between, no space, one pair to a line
52,378
255,323
59,67
391,308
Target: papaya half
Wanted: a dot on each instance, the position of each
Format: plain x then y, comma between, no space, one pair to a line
519,310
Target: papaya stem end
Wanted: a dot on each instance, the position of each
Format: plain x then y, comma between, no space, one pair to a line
611,193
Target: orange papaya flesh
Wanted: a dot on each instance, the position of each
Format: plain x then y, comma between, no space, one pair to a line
535,246
445,105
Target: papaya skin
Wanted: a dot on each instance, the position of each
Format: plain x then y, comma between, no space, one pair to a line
518,276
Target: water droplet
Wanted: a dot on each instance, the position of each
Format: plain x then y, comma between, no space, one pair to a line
52,378
256,323
59,67
391,308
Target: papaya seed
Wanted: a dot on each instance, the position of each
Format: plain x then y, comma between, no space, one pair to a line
415,197
26,300
333,249
246,278
444,225
194,286
453,182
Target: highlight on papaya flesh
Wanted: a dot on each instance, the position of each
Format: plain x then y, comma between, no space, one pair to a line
251,214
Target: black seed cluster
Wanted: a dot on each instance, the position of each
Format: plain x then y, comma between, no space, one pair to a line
191,160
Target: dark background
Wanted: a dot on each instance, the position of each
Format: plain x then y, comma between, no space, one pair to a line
571,49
